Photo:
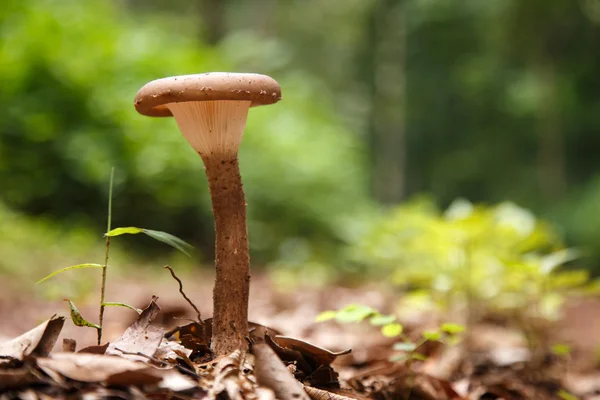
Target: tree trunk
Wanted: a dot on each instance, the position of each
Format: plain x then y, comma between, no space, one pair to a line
232,260
551,157
387,68
212,13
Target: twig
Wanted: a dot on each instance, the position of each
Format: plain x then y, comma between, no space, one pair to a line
183,294
156,360
104,267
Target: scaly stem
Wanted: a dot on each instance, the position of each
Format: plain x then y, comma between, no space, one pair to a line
232,260
104,267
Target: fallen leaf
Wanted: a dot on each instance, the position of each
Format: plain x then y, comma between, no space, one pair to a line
95,349
69,345
230,380
140,337
16,378
177,382
270,372
86,367
290,355
320,355
339,394
37,342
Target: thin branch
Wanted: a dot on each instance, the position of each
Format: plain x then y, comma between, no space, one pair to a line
183,294
156,360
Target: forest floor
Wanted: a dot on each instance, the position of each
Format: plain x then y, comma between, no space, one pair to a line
493,364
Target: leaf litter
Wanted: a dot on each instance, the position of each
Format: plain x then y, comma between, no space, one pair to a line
147,361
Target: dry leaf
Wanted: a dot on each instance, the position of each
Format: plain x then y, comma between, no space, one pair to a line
16,378
272,373
170,350
37,342
69,345
140,337
230,379
290,355
95,349
176,381
86,367
340,394
320,355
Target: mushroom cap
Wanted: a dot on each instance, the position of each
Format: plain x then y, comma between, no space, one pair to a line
152,98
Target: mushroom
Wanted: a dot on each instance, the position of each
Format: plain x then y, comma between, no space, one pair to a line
211,110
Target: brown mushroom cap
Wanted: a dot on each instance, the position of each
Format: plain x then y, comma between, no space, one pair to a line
152,98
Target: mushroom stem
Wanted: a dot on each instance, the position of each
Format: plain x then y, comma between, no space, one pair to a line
211,111
232,260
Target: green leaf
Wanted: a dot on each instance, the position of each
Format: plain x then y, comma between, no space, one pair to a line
326,316
452,328
131,230
563,394
418,356
405,346
354,313
379,320
432,335
115,304
164,237
550,262
78,266
391,330
561,349
171,240
76,317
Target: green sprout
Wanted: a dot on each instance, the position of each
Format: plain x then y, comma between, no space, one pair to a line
164,237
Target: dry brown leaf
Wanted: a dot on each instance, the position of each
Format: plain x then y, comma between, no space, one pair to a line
95,349
86,367
339,394
140,337
320,355
270,372
37,342
28,395
176,382
69,345
228,378
170,351
290,356
16,378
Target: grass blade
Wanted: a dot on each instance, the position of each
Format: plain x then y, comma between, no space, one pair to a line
164,237
131,230
76,317
171,240
78,266
115,304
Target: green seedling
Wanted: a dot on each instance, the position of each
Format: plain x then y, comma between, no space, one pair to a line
164,237
406,349
477,260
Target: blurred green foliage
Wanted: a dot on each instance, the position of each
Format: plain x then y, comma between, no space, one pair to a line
69,72
32,247
489,259
491,100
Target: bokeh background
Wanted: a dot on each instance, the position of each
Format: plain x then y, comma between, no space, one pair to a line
384,102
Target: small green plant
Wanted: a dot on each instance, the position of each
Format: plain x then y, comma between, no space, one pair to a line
475,259
164,237
406,349
448,333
